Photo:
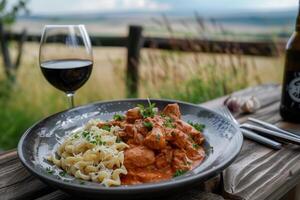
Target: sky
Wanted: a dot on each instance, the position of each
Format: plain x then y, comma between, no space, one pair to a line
95,6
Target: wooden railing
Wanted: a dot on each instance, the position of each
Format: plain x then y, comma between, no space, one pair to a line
135,41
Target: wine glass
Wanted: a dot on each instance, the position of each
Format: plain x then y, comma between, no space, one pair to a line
66,57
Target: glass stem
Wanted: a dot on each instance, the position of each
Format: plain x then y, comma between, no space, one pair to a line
70,96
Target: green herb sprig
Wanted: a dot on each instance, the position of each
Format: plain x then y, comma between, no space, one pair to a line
49,170
179,172
148,125
149,111
197,126
169,122
106,127
118,117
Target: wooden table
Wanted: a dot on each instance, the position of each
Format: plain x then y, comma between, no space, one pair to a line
258,173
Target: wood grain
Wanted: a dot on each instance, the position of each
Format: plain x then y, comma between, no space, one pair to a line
258,172
15,181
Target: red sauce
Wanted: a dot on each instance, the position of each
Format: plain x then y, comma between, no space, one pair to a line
160,145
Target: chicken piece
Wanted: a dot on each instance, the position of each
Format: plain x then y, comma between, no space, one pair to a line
195,153
121,124
164,159
180,160
156,120
180,139
138,156
128,132
155,139
140,127
133,114
172,110
183,126
196,135
138,139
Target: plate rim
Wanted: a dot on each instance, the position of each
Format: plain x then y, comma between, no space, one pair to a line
130,188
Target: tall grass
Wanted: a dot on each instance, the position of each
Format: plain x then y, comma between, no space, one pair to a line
192,77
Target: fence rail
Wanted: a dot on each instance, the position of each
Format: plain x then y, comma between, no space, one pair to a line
135,41
258,48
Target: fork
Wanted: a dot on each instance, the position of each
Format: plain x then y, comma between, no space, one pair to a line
249,134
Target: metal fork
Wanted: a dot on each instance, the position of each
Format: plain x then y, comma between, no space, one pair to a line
249,134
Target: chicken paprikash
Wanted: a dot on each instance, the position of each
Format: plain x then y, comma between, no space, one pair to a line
144,145
160,144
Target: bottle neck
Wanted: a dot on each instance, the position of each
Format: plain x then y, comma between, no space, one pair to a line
298,19
298,24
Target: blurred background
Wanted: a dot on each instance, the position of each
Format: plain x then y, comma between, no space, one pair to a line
197,50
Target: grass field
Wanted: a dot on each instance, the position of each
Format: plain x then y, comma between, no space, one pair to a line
192,77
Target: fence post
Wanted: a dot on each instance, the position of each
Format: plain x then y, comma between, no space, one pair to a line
134,44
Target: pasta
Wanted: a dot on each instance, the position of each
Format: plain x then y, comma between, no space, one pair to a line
93,154
144,145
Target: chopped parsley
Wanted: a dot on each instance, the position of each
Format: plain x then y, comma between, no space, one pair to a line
93,142
49,170
106,127
197,126
169,122
76,135
85,134
148,125
149,111
196,146
179,172
101,143
62,173
81,182
118,117
162,114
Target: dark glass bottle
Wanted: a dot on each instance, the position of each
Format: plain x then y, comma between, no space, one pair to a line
290,99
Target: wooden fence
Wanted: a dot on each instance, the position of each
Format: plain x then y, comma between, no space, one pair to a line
135,41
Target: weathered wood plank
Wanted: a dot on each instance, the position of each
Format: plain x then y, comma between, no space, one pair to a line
56,195
15,181
191,194
256,48
260,172
135,42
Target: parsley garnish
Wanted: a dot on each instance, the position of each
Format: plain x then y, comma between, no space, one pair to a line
85,134
106,127
169,122
196,146
149,111
179,172
148,125
118,117
49,170
81,183
62,173
101,143
197,126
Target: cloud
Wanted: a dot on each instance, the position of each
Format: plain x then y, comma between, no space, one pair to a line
269,4
82,6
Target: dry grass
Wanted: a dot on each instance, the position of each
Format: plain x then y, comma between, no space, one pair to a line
193,77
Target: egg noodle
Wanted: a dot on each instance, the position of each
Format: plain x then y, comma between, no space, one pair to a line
94,154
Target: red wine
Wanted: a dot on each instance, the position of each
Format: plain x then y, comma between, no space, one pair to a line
67,75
